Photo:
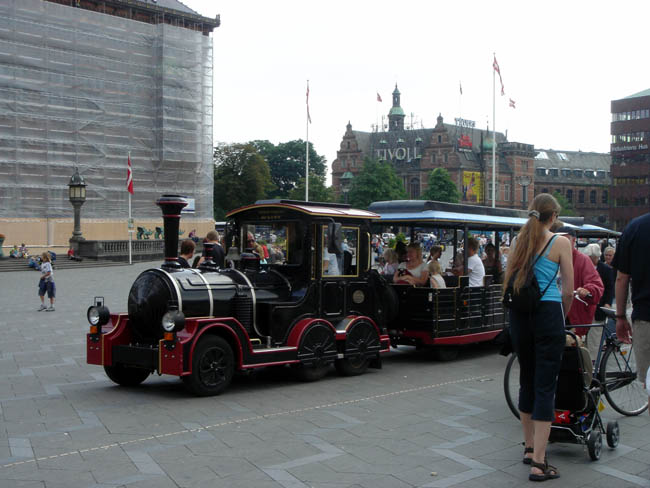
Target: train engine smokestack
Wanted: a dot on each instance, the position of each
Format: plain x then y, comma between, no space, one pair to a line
171,206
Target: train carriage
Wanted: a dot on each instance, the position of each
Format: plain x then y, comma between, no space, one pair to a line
282,300
459,314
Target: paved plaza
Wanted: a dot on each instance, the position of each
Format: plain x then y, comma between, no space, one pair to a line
414,423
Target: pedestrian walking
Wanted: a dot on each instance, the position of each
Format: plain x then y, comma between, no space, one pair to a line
538,336
632,261
46,283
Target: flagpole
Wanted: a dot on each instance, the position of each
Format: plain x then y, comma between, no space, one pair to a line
494,136
129,222
307,150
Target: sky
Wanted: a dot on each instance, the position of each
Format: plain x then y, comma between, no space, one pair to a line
562,62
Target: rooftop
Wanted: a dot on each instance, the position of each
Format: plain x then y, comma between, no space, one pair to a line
644,93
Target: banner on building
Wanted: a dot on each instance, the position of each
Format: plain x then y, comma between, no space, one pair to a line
472,187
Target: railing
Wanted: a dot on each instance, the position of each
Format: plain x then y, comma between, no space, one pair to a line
142,250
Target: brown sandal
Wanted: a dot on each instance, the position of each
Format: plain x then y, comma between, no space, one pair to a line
528,460
548,472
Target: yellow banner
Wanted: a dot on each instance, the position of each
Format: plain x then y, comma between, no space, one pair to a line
472,187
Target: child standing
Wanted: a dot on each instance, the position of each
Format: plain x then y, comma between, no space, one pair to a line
46,283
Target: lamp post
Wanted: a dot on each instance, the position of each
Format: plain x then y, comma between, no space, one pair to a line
346,181
77,195
525,182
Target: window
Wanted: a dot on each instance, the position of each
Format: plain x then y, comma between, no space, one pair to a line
439,139
601,173
415,188
569,195
544,190
506,192
348,145
283,242
433,159
540,171
344,263
566,172
577,173
592,196
541,155
581,196
554,172
524,166
604,197
562,156
489,193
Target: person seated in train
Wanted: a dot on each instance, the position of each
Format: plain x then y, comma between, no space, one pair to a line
456,267
414,271
435,254
187,251
400,249
475,268
435,275
491,263
390,259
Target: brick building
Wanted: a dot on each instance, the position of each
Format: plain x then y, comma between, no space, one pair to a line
462,149
630,151
583,178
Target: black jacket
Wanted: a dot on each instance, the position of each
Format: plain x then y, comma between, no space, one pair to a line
607,274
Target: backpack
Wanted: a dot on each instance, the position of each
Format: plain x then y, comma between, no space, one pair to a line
529,295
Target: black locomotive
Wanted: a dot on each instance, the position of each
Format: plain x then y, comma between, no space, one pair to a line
300,292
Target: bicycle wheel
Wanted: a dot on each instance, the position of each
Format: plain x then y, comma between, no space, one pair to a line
618,374
511,384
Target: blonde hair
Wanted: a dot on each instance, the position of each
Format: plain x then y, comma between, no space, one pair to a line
46,257
530,238
609,248
390,255
434,267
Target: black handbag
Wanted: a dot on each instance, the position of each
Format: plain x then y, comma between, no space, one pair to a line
529,295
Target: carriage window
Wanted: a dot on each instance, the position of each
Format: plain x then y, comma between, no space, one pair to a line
345,263
275,243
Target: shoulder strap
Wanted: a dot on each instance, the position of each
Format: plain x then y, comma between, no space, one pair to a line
542,253
549,245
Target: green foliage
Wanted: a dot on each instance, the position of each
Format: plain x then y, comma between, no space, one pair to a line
441,188
287,164
567,207
318,192
377,181
400,237
241,176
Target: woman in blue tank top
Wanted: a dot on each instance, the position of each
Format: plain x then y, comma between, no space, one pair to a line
539,338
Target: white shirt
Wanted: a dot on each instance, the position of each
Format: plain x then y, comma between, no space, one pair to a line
476,270
45,267
440,281
333,264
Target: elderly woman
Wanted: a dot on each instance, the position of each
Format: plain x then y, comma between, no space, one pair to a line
609,254
414,271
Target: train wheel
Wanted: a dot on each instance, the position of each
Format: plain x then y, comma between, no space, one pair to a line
361,339
213,366
446,353
126,375
316,352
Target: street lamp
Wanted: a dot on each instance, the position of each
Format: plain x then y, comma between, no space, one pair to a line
524,181
77,195
346,181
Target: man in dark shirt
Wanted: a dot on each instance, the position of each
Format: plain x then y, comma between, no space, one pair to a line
632,260
218,254
187,251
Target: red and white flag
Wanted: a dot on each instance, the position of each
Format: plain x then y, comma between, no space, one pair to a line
308,116
129,177
495,65
379,97
512,103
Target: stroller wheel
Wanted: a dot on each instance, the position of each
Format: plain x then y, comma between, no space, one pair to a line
594,445
613,433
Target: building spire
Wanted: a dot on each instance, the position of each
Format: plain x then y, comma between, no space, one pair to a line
396,114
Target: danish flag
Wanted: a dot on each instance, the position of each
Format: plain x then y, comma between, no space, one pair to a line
495,65
129,177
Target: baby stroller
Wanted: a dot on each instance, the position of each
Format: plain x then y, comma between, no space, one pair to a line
577,402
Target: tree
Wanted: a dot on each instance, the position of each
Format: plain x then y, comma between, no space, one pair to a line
241,176
375,182
318,192
287,163
567,208
441,188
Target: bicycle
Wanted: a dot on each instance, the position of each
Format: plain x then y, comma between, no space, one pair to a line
614,369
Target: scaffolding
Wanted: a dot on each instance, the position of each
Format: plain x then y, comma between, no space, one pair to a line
80,88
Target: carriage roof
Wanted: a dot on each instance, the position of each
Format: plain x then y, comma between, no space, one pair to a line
315,209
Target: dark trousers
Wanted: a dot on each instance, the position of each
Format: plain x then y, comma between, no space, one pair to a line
538,340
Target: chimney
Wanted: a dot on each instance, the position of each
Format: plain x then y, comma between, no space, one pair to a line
171,206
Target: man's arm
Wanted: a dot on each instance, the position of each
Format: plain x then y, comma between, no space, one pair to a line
623,327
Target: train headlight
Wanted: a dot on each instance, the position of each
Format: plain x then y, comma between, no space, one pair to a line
98,315
173,321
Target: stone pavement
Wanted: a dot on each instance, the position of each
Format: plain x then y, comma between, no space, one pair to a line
415,423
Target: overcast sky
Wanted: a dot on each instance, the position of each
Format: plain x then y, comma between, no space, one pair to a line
562,62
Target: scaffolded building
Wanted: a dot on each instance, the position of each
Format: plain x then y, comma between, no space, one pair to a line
85,83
